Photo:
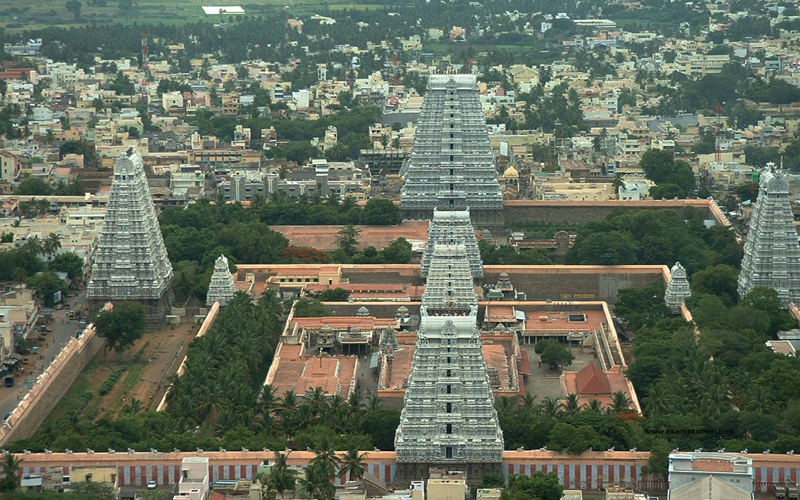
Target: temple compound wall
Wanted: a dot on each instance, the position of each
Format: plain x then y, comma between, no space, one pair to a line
590,470
26,418
520,212
538,282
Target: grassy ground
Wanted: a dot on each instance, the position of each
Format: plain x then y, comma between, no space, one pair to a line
20,15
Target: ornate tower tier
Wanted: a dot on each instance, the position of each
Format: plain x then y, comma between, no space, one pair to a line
221,288
451,227
448,418
131,261
452,163
677,288
771,251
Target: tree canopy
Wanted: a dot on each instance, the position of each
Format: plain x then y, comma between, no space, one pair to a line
33,186
121,326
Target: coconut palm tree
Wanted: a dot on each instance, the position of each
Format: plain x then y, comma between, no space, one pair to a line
281,477
51,245
317,483
10,467
595,406
550,407
571,405
620,402
352,465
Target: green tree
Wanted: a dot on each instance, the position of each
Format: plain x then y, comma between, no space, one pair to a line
333,295
93,490
666,192
46,285
397,252
347,239
557,356
281,477
74,6
310,308
380,212
121,326
767,300
10,468
352,465
539,486
720,280
33,186
69,263
492,480
575,440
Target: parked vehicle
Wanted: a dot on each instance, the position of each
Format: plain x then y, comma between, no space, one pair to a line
780,491
152,484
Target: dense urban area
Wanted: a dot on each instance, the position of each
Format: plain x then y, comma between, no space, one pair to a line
240,244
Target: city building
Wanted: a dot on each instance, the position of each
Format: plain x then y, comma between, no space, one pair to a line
221,288
771,251
193,483
131,262
322,178
710,476
452,163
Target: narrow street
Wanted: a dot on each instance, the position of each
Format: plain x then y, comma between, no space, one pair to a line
63,329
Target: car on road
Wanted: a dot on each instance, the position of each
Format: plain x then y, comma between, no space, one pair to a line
152,484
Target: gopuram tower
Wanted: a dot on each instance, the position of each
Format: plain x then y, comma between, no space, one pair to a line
221,289
771,251
448,419
452,164
453,227
131,262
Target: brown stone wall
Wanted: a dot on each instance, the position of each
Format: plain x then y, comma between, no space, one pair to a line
404,273
576,282
575,212
53,384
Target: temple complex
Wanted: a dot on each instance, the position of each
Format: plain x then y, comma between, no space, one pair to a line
452,227
131,262
771,251
221,288
448,418
677,288
452,164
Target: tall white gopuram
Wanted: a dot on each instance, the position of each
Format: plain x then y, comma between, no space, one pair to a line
677,289
452,164
448,419
131,262
771,251
453,227
221,288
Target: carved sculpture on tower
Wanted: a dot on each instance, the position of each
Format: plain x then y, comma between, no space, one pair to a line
448,419
771,251
221,288
451,227
677,289
131,262
452,164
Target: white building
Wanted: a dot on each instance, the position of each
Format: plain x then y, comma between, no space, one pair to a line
710,476
193,484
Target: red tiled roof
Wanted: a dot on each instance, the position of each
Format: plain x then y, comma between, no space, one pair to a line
592,381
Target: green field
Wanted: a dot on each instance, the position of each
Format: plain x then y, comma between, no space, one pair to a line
21,15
